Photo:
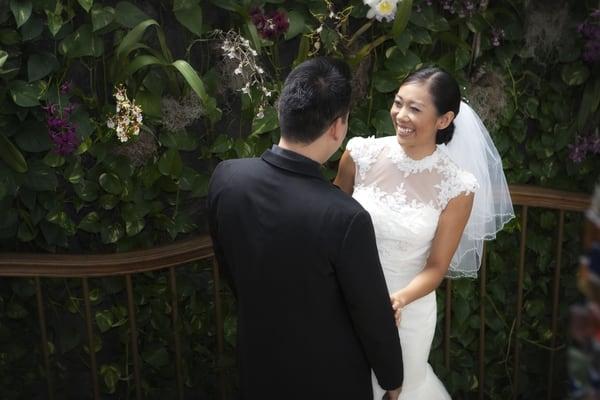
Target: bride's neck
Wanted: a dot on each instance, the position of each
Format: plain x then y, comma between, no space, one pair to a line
418,152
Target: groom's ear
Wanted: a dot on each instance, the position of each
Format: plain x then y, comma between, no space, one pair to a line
339,127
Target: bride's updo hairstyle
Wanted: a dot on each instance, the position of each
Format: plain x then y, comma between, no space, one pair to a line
445,93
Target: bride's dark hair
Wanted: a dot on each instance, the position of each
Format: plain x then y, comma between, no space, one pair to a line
445,93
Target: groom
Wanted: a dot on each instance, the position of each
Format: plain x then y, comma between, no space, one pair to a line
314,314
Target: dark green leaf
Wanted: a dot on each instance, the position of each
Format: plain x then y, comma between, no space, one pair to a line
32,29
575,74
53,160
170,163
181,141
11,155
222,144
40,177
110,183
86,4
104,320
102,17
265,124
33,137
129,15
90,223
134,227
157,358
383,123
191,18
40,65
111,233
25,94
402,16
21,10
297,24
83,42
86,190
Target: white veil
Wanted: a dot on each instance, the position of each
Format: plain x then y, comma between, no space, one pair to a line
473,150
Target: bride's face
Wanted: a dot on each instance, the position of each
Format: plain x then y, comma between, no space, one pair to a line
414,115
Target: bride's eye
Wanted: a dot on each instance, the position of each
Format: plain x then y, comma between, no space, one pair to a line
415,109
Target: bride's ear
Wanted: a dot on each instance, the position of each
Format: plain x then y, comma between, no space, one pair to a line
445,120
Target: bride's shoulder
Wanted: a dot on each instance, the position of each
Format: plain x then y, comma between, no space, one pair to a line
361,144
460,178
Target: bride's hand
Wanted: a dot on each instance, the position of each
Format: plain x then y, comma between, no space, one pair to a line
398,304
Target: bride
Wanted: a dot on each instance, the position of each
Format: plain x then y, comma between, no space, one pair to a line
435,190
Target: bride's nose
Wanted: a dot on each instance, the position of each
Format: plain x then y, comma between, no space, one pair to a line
401,115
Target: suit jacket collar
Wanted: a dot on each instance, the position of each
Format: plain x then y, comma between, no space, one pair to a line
293,162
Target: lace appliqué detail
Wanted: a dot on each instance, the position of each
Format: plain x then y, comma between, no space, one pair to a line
409,166
364,152
455,182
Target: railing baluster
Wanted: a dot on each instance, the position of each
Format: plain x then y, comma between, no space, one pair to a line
44,336
482,293
220,334
555,296
175,319
90,335
134,338
447,323
521,277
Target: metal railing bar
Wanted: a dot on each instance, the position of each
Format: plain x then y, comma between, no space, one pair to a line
134,338
44,336
90,335
555,297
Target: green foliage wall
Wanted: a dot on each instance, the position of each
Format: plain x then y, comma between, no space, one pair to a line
205,76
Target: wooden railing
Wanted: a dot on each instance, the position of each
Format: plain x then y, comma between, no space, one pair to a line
179,253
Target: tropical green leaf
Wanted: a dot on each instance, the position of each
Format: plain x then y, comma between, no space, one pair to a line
86,4
575,74
129,15
104,320
32,29
90,223
267,123
111,233
170,163
40,65
222,144
21,10
55,22
33,137
133,36
11,155
40,177
25,94
82,42
297,24
3,57
402,17
102,17
189,15
110,183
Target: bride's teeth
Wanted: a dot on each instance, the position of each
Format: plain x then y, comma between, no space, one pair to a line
405,131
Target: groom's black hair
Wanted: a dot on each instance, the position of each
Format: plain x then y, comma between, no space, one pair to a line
314,94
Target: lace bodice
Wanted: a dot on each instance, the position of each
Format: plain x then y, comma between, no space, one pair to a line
405,197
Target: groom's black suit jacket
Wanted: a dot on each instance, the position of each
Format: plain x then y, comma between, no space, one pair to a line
314,314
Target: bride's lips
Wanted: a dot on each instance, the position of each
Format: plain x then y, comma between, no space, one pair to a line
404,131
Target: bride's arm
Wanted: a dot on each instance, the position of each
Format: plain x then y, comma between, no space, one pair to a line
345,176
447,236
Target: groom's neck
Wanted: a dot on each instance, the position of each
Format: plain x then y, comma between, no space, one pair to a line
314,150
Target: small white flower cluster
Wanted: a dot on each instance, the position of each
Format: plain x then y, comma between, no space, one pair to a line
128,118
382,9
238,52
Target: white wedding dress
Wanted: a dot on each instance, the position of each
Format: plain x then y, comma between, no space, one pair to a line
405,198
